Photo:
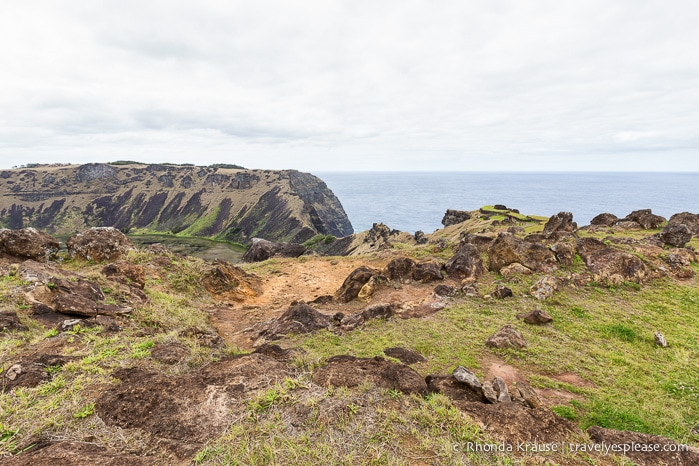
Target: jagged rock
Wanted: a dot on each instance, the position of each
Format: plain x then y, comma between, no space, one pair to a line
507,249
676,234
468,378
544,288
536,317
565,253
501,390
452,388
400,268
9,322
645,218
28,243
349,371
686,218
426,272
299,318
379,311
624,225
609,265
515,269
604,219
352,321
646,449
404,355
126,272
420,237
99,244
502,292
529,395
80,297
470,290
261,250
660,340
453,217
378,233
506,337
94,171
354,282
368,289
489,393
562,222
226,282
465,263
445,290
482,242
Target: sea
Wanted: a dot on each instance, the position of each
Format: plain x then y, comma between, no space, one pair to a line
411,201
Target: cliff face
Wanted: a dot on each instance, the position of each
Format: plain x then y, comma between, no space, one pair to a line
235,205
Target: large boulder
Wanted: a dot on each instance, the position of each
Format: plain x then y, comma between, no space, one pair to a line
228,283
299,318
465,263
261,250
99,244
426,272
676,234
689,219
354,282
507,249
609,265
400,269
644,217
453,217
562,222
604,219
28,243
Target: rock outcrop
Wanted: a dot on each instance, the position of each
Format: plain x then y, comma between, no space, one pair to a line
610,265
686,218
676,234
453,217
28,243
645,218
99,244
261,250
507,249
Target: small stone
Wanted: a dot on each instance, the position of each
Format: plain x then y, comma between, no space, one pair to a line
502,292
536,317
660,340
445,290
13,372
506,337
528,394
515,269
467,377
501,390
489,393
544,288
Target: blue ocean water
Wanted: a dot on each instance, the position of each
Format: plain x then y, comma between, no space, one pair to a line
410,201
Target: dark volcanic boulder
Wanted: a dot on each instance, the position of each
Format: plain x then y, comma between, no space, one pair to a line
452,217
354,282
261,250
465,263
299,318
610,265
565,253
691,220
99,244
676,234
29,243
604,219
226,282
562,222
426,272
506,337
507,249
400,269
126,272
348,371
645,218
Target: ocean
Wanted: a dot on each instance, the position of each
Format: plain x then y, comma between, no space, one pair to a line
411,201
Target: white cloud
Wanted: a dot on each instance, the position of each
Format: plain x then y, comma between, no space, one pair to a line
323,85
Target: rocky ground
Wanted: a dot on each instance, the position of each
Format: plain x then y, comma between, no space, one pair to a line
501,330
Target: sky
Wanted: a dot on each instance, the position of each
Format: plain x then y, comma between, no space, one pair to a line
353,85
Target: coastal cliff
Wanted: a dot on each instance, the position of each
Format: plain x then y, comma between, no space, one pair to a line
222,203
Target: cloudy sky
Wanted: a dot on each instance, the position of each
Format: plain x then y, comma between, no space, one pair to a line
353,85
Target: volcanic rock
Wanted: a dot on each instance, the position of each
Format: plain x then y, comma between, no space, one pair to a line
676,234
536,317
28,243
99,244
506,337
502,292
544,287
453,217
604,219
261,250
645,218
425,272
562,222
467,377
404,355
9,322
686,218
465,263
299,318
354,282
507,249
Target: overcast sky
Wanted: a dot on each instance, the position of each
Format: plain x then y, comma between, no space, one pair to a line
354,85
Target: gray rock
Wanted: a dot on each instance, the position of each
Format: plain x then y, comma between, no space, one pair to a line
13,372
676,234
506,337
489,393
465,263
453,217
660,340
562,222
544,288
261,250
529,396
501,390
467,377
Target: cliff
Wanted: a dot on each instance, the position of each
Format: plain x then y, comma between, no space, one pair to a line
230,204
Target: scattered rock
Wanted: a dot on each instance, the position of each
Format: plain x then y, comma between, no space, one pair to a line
379,311
645,218
528,394
348,371
323,299
642,447
604,219
544,288
609,265
169,353
515,269
404,355
676,234
79,297
660,340
453,217
536,317
445,290
482,242
470,290
367,291
400,269
9,322
562,222
506,337
31,372
99,244
261,250
126,272
507,249
299,318
353,283
207,338
466,262
420,237
489,392
425,272
500,387
565,253
452,388
686,218
502,292
467,378
226,282
379,233
157,249
28,243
